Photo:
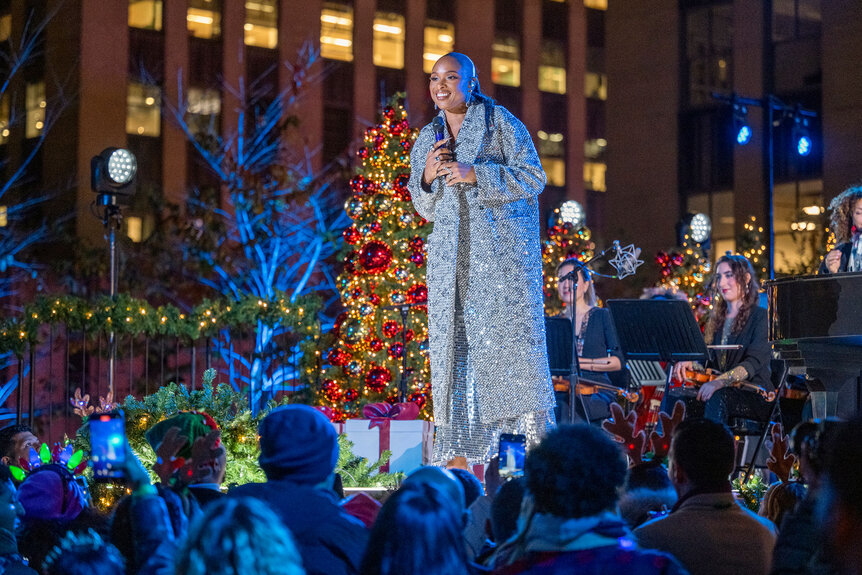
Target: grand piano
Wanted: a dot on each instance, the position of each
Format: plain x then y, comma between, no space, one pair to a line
815,324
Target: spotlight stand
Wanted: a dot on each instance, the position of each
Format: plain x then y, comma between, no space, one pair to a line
771,104
112,219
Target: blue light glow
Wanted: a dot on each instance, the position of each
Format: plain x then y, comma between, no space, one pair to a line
743,136
803,145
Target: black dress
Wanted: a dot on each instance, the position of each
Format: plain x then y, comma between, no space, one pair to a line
730,402
598,339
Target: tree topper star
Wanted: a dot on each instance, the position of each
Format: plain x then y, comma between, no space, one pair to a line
626,260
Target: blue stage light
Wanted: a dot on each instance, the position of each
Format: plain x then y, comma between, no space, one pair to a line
743,135
803,145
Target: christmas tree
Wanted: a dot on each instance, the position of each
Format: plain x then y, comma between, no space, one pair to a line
567,238
685,269
385,325
750,244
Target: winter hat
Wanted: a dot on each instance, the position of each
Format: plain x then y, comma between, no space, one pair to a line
51,492
299,443
192,425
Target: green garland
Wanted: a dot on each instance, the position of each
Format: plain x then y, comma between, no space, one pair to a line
128,316
752,492
229,408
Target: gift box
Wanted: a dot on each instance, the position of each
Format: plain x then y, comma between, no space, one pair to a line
409,440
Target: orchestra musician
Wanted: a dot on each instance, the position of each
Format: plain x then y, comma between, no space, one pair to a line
598,346
735,319
846,222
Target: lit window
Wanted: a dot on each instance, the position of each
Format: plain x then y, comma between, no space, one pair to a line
594,176
595,148
145,14
36,105
596,86
134,228
203,18
506,62
203,113
261,23
336,32
389,40
596,4
4,217
552,70
5,27
4,119
143,110
552,151
439,41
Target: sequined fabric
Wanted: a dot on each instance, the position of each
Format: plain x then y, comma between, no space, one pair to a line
489,368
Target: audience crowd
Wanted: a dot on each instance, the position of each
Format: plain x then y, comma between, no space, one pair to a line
578,508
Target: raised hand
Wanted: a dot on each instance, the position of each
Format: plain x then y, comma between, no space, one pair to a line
660,441
780,460
622,427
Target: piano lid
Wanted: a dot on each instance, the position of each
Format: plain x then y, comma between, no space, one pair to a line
821,308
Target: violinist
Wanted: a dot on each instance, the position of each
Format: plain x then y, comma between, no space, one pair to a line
598,347
846,222
735,319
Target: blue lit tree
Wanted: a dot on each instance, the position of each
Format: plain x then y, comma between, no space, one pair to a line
270,223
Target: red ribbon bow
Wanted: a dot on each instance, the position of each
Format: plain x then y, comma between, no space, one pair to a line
382,415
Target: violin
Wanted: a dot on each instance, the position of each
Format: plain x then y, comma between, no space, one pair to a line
590,387
694,378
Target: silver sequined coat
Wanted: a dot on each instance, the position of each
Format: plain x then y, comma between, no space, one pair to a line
500,265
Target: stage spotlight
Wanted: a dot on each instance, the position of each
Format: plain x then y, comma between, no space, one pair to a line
801,136
113,172
572,212
740,124
697,227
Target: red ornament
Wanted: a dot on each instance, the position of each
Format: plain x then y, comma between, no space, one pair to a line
375,256
351,395
375,227
337,356
331,390
402,195
352,235
377,378
396,350
389,113
374,299
409,335
392,399
417,243
418,293
417,258
418,398
375,345
391,328
362,153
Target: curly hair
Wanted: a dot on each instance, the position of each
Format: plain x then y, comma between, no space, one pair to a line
739,267
417,532
576,471
238,536
841,207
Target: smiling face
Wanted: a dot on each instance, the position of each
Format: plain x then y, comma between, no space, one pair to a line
857,215
450,84
564,288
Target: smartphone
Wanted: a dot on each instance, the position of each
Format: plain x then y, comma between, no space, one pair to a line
513,451
107,445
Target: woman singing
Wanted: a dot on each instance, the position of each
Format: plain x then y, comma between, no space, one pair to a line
735,319
846,210
489,366
596,338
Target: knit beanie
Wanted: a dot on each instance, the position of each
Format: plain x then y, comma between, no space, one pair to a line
299,443
191,424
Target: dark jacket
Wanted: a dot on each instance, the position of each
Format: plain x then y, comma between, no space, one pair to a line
330,541
755,354
10,560
845,248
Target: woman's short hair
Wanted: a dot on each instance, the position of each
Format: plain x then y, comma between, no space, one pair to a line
238,536
418,532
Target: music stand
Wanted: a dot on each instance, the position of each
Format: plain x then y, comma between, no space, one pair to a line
657,330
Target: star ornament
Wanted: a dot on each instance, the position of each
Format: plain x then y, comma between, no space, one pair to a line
626,260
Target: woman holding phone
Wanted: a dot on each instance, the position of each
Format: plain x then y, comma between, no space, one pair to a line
478,179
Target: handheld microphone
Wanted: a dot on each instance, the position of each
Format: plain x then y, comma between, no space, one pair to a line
437,125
